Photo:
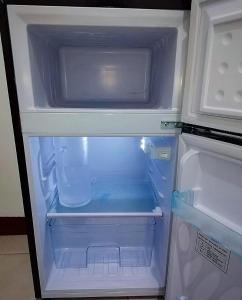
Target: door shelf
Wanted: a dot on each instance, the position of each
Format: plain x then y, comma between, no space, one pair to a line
110,199
183,206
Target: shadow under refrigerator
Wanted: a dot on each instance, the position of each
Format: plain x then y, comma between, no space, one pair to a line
129,146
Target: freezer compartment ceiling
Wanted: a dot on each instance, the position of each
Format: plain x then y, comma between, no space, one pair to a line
102,67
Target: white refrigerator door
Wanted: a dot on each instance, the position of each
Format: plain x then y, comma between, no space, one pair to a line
206,241
213,90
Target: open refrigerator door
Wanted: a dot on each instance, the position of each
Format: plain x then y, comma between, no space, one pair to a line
206,239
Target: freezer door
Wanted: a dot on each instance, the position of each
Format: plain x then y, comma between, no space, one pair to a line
213,90
206,239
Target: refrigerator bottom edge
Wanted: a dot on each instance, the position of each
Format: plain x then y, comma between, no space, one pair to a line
103,280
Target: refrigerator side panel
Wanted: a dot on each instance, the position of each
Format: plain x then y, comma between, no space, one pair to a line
8,60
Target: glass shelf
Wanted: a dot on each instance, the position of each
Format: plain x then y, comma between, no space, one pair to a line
113,198
183,206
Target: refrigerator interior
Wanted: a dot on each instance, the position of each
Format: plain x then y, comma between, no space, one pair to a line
102,66
101,211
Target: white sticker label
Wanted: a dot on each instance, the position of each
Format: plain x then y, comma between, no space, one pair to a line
162,153
213,251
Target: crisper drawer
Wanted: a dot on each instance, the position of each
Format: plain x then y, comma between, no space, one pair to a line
124,242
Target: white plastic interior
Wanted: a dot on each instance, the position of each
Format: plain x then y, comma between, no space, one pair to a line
213,93
102,67
100,255
222,92
213,170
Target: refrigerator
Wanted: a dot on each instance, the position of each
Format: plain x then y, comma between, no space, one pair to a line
128,125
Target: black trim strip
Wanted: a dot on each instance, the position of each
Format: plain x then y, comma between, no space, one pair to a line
216,134
149,4
13,99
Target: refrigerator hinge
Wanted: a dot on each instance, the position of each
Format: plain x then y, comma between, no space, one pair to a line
170,125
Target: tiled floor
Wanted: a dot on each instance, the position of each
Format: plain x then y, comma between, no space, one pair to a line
15,274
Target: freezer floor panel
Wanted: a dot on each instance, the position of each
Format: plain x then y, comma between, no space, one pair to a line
103,276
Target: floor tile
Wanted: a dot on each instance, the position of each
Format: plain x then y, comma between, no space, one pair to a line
10,244
15,277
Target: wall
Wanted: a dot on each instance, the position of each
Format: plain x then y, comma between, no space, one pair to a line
10,191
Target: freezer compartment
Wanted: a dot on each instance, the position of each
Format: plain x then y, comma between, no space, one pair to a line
102,67
88,243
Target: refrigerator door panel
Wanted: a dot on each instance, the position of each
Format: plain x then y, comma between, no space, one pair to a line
192,276
213,94
206,240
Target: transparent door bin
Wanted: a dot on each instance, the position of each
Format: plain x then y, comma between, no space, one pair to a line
183,206
79,245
